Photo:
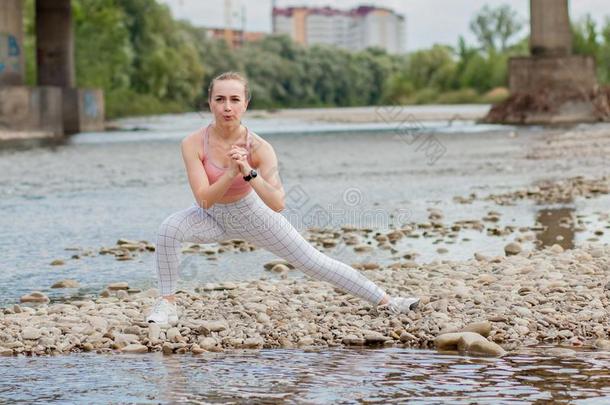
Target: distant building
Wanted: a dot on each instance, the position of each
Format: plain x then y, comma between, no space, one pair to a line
355,29
235,38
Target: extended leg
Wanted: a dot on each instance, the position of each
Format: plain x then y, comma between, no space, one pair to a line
262,226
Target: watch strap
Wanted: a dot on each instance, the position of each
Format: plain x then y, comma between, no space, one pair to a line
250,175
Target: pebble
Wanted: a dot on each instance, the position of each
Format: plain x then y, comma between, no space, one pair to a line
468,342
280,268
550,192
363,248
208,343
35,296
195,349
124,339
167,348
5,352
253,343
327,243
135,348
482,328
544,297
31,333
556,248
481,257
213,326
123,241
373,337
512,248
271,264
68,283
122,294
353,340
173,335
117,286
305,341
368,266
263,317
602,344
154,331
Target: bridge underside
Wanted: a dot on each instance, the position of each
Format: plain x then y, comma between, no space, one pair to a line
55,106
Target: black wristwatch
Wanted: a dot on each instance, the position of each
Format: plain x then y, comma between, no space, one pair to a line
251,175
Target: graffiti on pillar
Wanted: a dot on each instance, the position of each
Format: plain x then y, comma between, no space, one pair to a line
10,53
90,103
13,46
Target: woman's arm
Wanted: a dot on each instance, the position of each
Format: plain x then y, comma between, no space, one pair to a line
268,184
205,194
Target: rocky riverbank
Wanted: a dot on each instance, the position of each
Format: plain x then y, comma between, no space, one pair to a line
528,298
436,228
24,135
394,113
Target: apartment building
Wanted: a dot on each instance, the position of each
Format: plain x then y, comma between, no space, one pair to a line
234,37
355,29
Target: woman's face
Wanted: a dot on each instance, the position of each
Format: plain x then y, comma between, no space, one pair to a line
228,102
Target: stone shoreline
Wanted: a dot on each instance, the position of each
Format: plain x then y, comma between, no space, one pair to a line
367,114
533,297
25,135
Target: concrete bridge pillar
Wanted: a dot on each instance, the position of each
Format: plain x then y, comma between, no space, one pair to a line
550,28
552,85
83,109
55,107
55,43
12,66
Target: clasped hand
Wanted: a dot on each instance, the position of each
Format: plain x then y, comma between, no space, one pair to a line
239,160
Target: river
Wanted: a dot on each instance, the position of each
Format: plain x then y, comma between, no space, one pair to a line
86,192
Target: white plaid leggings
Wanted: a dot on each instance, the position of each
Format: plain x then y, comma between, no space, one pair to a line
252,220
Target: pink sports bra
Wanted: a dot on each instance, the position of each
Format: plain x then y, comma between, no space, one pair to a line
239,185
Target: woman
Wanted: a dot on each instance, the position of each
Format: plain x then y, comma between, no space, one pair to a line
234,178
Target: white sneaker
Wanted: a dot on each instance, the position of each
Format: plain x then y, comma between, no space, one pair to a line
402,305
163,312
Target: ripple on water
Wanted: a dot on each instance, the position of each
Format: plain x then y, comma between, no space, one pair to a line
315,376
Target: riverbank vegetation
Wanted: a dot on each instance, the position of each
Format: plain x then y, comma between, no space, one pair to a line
148,63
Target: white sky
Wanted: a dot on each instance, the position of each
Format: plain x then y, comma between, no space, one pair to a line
428,21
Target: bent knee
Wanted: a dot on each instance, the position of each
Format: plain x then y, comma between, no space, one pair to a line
170,227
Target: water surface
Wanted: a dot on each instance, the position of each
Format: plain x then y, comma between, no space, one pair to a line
95,188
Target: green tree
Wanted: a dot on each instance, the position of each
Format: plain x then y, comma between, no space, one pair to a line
603,61
433,67
147,62
29,42
585,37
495,27
103,52
588,40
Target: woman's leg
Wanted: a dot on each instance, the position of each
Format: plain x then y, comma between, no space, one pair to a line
255,222
194,225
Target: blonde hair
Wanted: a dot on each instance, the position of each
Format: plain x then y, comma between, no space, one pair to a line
230,76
